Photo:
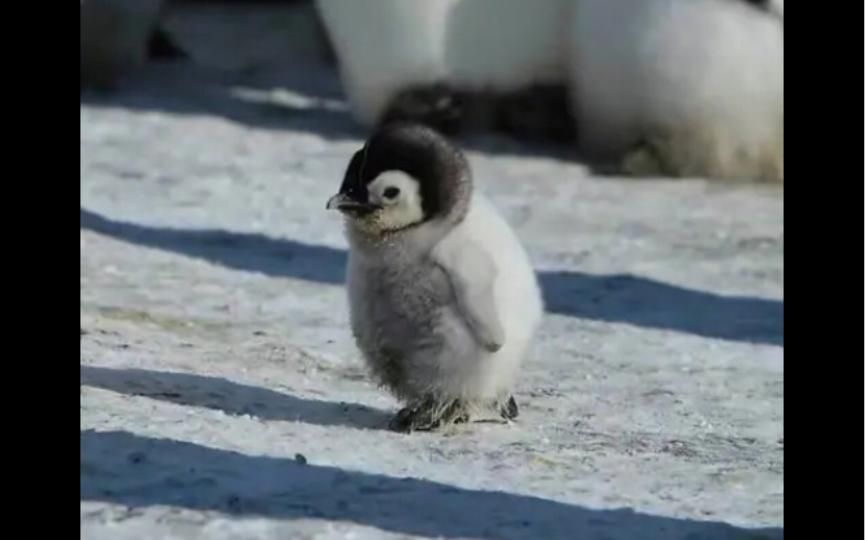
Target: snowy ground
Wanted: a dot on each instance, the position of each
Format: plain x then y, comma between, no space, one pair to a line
222,397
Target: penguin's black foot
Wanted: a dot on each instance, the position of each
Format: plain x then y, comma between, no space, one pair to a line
648,158
509,409
428,415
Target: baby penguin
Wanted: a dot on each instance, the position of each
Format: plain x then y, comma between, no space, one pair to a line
443,299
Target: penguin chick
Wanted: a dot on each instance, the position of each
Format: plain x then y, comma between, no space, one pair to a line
397,58
681,87
443,300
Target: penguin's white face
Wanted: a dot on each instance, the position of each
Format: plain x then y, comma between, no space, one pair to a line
397,195
404,176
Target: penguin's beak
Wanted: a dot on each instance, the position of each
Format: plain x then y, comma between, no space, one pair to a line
338,200
345,203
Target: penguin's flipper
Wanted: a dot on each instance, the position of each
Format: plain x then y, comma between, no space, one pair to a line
472,274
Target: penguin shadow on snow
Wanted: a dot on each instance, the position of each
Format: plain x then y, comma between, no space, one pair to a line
532,122
241,103
625,299
514,130
138,472
238,83
241,251
231,397
648,303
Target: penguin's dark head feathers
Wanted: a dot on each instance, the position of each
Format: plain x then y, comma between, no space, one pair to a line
404,175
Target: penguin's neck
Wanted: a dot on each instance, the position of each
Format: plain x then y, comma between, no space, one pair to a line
404,246
416,242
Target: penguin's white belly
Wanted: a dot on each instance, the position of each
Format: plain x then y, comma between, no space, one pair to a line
412,335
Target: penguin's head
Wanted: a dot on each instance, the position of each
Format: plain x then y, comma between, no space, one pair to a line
405,175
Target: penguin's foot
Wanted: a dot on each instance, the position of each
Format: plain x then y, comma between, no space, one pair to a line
658,155
509,409
428,414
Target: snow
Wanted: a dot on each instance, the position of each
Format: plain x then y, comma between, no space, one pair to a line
222,396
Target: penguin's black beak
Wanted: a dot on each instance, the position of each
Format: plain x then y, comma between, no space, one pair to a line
345,203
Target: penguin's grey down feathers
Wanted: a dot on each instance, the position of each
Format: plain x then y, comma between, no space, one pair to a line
444,309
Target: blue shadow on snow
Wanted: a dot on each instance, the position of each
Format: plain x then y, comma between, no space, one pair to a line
626,299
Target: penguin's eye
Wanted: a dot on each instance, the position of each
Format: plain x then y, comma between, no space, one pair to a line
391,193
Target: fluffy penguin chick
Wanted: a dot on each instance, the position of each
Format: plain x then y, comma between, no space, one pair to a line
681,87
443,300
387,48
